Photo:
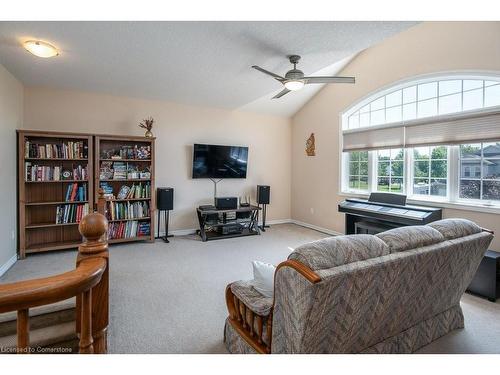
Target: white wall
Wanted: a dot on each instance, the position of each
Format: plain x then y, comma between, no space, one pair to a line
11,118
177,127
426,48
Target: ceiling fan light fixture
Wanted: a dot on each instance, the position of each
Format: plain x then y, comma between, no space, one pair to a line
40,49
294,85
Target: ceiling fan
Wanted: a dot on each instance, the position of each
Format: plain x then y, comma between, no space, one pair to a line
294,79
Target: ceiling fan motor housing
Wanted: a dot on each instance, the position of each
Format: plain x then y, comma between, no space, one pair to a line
294,74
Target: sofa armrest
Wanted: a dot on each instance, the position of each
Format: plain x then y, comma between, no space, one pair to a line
246,293
251,314
249,323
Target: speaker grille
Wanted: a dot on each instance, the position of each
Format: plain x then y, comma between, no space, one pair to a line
263,194
165,198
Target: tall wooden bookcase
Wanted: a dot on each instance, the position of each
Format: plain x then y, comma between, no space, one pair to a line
50,164
127,164
48,208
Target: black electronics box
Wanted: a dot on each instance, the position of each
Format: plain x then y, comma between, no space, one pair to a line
226,203
207,207
231,229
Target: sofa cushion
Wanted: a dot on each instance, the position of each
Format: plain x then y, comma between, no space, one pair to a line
246,293
407,238
335,251
455,228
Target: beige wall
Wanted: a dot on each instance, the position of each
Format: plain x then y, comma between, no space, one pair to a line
177,127
11,117
426,48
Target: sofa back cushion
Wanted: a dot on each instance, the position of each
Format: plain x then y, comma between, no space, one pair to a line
455,228
407,238
335,251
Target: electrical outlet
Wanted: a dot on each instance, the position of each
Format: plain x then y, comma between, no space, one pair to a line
312,211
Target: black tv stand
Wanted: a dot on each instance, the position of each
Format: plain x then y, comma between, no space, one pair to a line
212,222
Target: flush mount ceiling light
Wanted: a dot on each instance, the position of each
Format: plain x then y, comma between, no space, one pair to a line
40,49
294,79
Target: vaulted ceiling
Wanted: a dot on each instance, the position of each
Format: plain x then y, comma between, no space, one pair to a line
195,63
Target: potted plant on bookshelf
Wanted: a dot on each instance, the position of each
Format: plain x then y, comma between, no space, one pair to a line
148,125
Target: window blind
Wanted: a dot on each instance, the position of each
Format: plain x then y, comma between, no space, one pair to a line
461,128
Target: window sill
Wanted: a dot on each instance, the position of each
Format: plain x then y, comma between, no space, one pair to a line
436,203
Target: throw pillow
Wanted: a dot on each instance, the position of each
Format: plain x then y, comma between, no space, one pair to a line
263,278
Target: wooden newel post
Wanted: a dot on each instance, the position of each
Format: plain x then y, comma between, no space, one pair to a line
93,228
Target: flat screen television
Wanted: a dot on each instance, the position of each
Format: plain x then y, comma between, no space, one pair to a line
213,161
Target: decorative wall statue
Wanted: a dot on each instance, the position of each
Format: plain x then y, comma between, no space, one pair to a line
311,145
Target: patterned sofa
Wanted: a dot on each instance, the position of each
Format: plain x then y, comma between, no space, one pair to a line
394,292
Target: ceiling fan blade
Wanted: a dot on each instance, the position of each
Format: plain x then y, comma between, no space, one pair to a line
329,79
281,93
275,76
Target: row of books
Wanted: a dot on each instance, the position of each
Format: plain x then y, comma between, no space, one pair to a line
68,150
34,172
76,193
128,152
128,229
127,210
136,191
71,213
120,170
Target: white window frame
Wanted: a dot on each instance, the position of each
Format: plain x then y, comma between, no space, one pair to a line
411,173
375,172
452,199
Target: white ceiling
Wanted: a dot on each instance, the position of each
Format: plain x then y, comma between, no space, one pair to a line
197,63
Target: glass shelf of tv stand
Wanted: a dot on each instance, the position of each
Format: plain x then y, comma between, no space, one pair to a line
229,222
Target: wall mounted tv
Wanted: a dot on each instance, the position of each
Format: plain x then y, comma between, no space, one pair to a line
213,161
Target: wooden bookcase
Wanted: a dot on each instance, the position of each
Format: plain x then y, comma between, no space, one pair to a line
40,227
125,162
41,198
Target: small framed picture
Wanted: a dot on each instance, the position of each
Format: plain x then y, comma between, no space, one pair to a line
67,174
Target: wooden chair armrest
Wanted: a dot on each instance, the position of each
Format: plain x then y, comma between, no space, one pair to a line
244,320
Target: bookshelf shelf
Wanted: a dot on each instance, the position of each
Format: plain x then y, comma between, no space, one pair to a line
51,246
54,203
54,159
129,160
47,225
129,200
108,166
135,219
52,181
129,239
126,180
49,154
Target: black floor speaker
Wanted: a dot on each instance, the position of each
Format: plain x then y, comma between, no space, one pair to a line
263,198
165,198
263,194
164,203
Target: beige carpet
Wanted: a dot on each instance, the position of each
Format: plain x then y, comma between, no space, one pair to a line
169,298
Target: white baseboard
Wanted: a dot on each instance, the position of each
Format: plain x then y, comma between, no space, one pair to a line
6,266
315,227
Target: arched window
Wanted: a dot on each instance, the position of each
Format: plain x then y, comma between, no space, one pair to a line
425,98
433,138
